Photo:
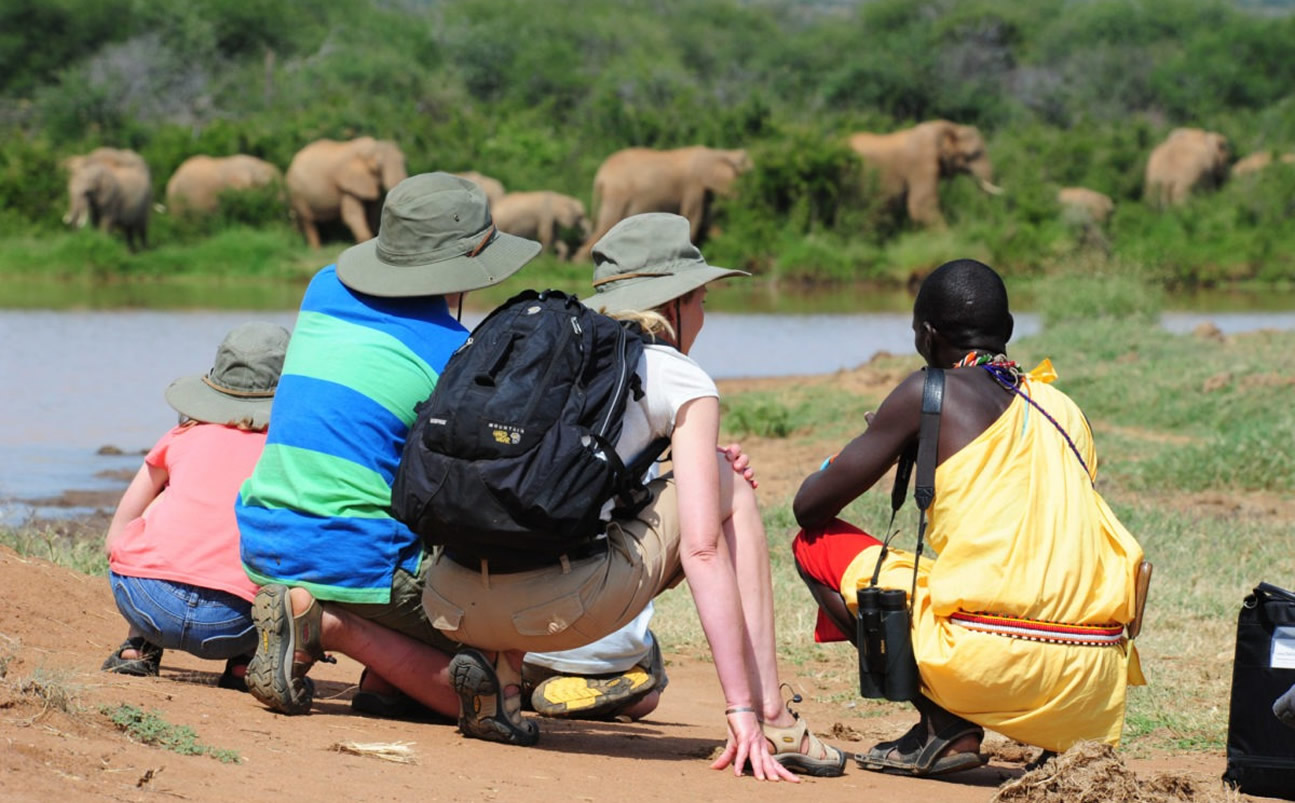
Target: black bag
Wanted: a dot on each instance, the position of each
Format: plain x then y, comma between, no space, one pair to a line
512,456
1261,749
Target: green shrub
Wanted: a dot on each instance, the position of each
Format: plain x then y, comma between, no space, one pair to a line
754,414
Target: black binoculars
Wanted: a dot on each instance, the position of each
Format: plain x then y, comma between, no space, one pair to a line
887,668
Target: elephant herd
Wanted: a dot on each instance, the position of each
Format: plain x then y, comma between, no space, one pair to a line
329,180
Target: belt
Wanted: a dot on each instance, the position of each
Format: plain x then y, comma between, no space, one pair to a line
526,562
1033,630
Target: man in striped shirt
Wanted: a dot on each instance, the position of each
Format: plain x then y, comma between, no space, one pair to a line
373,334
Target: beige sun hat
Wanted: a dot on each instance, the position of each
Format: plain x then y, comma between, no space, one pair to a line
646,260
436,237
239,388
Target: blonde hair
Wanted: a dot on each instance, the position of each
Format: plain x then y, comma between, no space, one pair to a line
650,321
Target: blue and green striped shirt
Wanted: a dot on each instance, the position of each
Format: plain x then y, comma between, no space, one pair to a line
316,511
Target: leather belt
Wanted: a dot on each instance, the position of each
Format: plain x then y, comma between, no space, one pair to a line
1111,635
524,562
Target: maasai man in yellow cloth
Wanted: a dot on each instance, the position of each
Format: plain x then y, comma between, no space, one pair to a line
1018,625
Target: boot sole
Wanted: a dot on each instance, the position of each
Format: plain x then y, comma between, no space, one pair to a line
269,673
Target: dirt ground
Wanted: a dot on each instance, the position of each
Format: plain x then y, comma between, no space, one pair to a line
57,626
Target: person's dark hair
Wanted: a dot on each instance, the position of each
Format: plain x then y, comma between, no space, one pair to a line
966,302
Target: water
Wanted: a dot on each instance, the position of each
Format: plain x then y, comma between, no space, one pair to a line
78,380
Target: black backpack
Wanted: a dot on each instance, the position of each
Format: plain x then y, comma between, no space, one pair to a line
1261,748
513,454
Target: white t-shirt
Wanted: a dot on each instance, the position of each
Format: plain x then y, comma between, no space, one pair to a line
669,380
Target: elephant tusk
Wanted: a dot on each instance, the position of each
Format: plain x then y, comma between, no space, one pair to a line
992,189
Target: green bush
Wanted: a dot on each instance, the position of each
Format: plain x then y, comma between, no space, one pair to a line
1066,94
755,414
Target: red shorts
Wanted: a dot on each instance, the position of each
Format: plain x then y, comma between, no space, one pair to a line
824,555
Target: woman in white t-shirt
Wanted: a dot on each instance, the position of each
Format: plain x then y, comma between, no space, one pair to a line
702,522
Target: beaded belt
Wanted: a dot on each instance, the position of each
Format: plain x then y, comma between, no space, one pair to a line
1033,630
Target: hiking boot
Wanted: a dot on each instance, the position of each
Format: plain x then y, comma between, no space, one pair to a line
485,712
288,646
600,696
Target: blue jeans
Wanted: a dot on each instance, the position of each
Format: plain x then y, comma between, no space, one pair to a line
176,616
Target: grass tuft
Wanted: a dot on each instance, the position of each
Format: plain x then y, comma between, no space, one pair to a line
150,728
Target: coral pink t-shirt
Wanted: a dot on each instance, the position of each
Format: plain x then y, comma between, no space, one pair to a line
189,534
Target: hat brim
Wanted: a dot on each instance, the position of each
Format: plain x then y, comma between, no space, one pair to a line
360,269
192,397
648,292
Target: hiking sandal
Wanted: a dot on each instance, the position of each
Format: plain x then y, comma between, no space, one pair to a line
230,679
481,692
919,754
148,664
276,675
818,759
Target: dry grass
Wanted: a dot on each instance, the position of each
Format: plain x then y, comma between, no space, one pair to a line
395,752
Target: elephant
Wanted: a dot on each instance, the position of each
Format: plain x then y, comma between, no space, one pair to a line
328,180
493,188
1189,158
1257,161
110,188
1086,206
683,180
541,216
910,163
198,182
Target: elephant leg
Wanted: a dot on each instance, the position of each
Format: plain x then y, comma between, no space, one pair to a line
547,231
608,216
924,204
356,218
693,207
562,250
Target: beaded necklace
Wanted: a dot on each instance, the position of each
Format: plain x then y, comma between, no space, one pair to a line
1008,374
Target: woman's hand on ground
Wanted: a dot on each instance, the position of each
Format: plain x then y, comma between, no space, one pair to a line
746,743
740,462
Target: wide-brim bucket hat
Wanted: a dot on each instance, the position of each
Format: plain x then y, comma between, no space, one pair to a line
436,237
239,388
646,260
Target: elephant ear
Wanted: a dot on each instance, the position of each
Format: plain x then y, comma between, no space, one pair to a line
358,174
948,147
720,173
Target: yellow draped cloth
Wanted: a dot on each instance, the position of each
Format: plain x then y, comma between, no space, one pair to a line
1021,532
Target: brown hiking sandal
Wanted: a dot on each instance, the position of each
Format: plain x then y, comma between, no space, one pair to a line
287,647
485,712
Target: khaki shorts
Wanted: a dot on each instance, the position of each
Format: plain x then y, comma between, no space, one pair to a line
562,604
404,613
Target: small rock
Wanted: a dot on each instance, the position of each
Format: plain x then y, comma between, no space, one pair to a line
109,450
1206,330
1217,382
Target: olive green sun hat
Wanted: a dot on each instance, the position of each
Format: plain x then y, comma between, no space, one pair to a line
239,388
436,237
646,260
